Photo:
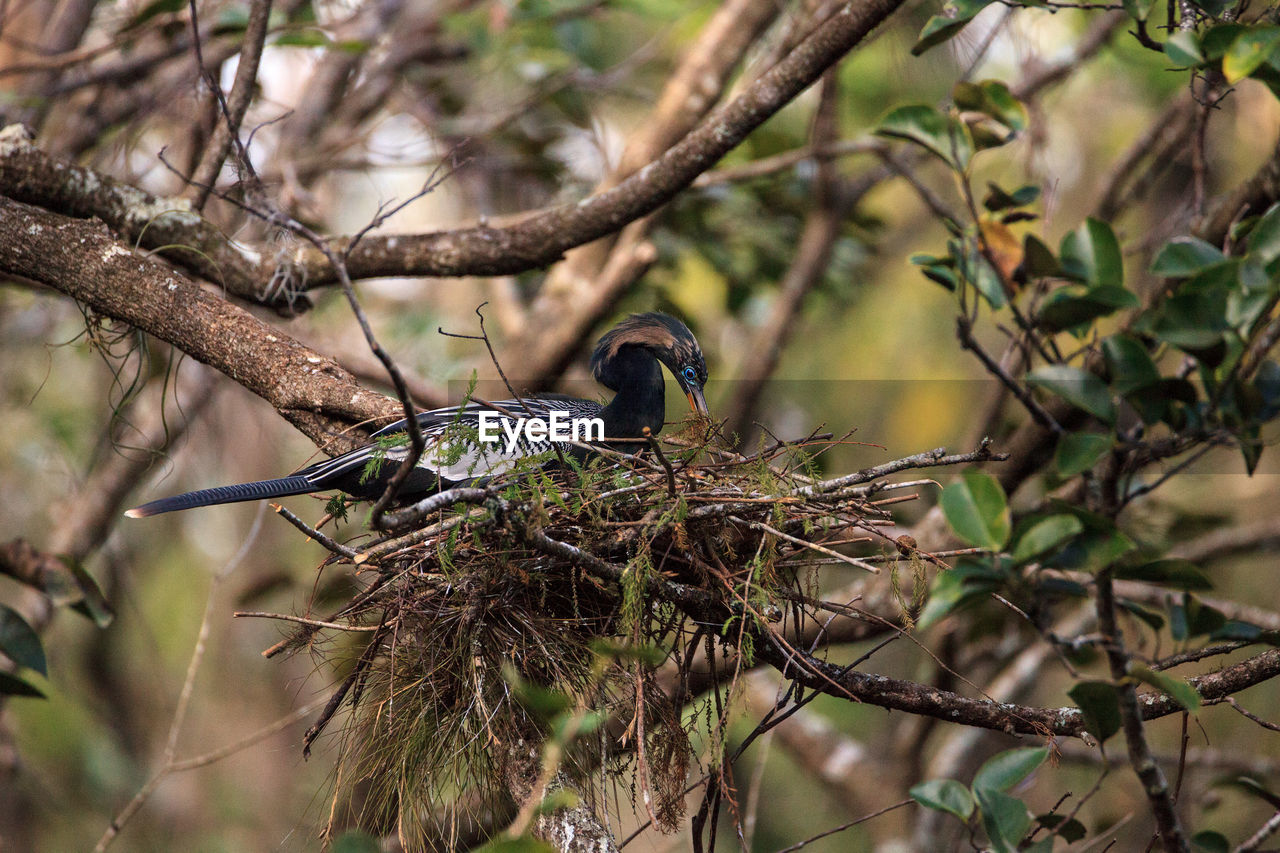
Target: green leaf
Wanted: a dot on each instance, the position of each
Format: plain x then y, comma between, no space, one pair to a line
1006,769
1138,9
939,28
1077,452
1045,535
1218,38
944,795
151,10
978,271
308,37
1038,259
1264,237
1072,305
1128,364
12,685
997,199
1183,49
93,604
1005,818
1091,253
937,133
1069,830
968,582
1078,387
991,98
976,509
1099,706
20,642
1181,690
1185,256
1250,49
1210,842
1179,574
1192,321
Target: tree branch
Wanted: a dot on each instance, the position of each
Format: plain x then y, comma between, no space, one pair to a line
83,260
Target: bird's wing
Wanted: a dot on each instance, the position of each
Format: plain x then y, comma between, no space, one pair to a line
454,456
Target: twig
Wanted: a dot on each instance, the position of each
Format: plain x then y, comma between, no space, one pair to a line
330,545
662,457
1264,832
1153,780
301,620
255,35
845,826
844,558
184,697
1231,700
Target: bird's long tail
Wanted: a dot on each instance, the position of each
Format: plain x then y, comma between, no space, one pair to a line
283,487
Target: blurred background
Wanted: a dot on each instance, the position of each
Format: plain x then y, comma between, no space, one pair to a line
531,104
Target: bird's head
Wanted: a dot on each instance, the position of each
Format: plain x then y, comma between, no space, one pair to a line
668,340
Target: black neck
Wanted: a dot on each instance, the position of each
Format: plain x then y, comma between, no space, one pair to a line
640,402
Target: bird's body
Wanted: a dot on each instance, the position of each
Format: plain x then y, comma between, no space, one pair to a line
479,441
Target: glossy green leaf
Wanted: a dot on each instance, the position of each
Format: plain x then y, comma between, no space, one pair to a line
1218,38
1129,365
1078,387
1185,256
1192,320
1005,818
939,28
1006,769
978,271
976,509
1074,304
992,98
937,133
1264,237
1183,49
1249,50
1180,689
1179,574
968,582
1099,706
1077,452
1045,535
1091,253
944,795
20,642
12,685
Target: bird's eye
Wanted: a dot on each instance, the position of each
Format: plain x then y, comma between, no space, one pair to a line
690,374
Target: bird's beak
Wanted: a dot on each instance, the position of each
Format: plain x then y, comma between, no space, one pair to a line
696,401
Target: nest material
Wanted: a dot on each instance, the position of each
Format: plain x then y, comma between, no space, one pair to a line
504,605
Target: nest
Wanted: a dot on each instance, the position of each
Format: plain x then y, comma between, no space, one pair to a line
598,596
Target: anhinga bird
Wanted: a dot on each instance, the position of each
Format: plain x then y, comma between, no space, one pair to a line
626,360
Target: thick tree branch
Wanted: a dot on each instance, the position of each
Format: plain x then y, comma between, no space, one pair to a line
543,238
84,261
